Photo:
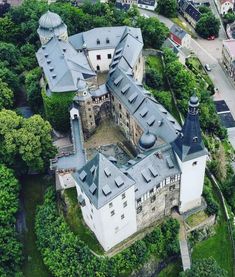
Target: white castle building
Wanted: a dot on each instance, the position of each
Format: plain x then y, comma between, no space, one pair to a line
168,170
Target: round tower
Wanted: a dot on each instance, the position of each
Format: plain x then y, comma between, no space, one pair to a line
51,25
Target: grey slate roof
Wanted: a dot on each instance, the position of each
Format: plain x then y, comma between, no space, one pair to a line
78,158
102,181
63,66
150,170
100,91
177,31
136,99
171,44
189,143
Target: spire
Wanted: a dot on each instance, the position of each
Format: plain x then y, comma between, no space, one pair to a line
189,145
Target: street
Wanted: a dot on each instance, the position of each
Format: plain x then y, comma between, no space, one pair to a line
209,52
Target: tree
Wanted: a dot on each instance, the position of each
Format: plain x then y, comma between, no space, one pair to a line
26,144
167,8
28,57
33,89
229,18
204,9
6,96
9,77
153,78
164,98
204,268
208,25
10,247
9,54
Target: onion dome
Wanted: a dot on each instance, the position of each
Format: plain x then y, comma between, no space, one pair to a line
50,20
147,140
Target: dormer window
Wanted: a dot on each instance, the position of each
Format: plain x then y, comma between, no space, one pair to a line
195,139
97,41
107,40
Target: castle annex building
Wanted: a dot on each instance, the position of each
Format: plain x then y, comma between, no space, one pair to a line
168,170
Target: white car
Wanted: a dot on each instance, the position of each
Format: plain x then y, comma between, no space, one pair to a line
207,67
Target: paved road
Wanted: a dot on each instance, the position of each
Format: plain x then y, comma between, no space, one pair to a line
209,52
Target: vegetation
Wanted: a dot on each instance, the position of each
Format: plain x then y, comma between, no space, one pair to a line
10,247
66,254
168,8
172,269
197,218
6,96
208,25
212,206
204,268
218,246
26,144
183,83
229,18
57,109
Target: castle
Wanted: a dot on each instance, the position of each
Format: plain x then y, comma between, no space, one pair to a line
168,171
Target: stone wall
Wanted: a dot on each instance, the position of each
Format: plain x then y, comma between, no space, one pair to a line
157,204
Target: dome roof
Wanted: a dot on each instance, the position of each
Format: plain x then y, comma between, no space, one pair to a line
50,20
147,140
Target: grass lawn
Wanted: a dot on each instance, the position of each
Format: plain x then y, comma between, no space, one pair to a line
32,192
155,62
172,270
76,223
218,246
196,218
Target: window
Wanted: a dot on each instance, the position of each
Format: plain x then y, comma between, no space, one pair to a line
110,205
98,41
124,204
127,115
153,198
139,209
151,192
107,41
98,57
122,216
123,195
92,210
172,179
195,139
120,115
116,229
98,68
194,163
109,56
120,107
172,187
138,200
89,109
90,116
112,213
90,216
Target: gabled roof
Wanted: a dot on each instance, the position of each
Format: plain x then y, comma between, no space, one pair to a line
102,181
135,99
63,66
177,31
153,168
193,12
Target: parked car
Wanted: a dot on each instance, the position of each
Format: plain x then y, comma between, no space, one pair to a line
211,38
207,67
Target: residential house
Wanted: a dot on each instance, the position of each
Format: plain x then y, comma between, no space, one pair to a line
228,56
224,6
180,37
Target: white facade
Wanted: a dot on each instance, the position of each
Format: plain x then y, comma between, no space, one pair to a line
192,180
186,41
101,59
147,7
224,6
115,221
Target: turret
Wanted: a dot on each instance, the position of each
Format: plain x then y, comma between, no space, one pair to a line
191,155
51,25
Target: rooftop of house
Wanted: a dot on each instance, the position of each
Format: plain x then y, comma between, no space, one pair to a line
63,66
190,9
150,169
177,31
102,180
229,44
151,3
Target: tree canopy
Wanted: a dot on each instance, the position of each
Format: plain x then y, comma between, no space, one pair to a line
6,96
208,25
167,8
26,144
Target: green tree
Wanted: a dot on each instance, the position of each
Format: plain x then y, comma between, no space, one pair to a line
153,78
6,96
204,268
10,247
9,54
164,98
208,25
28,57
229,18
167,8
9,77
204,9
33,89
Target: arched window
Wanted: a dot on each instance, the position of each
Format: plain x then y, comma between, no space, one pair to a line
98,41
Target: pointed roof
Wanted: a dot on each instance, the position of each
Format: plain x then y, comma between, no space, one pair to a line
102,181
189,143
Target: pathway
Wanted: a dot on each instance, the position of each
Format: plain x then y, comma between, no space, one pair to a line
184,250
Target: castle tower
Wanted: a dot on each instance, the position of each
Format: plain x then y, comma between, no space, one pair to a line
50,25
191,155
84,100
